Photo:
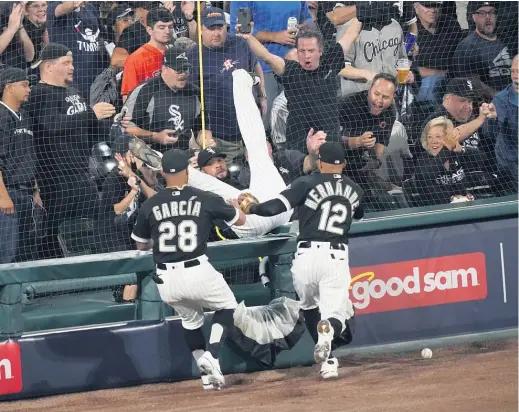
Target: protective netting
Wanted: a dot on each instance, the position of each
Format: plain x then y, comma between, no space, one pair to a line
420,93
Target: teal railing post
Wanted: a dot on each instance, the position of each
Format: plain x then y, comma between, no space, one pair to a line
11,320
149,304
281,277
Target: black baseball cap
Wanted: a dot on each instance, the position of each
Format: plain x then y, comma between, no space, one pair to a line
332,153
176,58
474,6
462,87
52,51
12,75
213,16
204,156
175,161
120,12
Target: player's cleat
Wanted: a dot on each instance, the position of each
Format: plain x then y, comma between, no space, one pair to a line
142,151
211,367
323,347
329,369
207,385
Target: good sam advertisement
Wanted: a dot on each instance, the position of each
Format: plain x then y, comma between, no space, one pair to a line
417,283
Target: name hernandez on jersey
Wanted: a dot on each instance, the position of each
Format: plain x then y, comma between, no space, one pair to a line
322,191
325,203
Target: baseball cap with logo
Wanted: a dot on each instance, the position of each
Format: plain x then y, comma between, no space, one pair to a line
213,16
52,51
461,87
12,75
174,161
474,6
204,156
176,59
332,153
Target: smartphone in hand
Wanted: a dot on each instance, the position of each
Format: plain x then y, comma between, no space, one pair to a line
244,20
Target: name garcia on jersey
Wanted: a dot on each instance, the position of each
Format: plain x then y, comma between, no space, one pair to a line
174,209
325,190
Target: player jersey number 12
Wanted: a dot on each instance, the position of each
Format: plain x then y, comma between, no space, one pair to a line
331,222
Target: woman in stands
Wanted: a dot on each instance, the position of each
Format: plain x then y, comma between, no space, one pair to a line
439,175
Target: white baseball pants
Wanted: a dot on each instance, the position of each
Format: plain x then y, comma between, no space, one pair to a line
266,182
190,290
321,279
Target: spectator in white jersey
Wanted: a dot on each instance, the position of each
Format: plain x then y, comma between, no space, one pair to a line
65,128
377,48
167,109
482,56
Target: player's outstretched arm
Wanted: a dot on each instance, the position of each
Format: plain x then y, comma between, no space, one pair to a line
270,208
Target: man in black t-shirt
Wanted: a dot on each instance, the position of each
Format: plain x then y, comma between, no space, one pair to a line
482,56
65,128
367,119
17,167
178,220
310,84
326,204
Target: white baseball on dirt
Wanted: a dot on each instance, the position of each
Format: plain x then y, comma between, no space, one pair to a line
426,353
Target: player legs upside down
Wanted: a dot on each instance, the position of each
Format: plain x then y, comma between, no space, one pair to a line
266,182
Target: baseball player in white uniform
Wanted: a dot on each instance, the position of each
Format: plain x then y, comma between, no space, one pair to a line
178,220
326,204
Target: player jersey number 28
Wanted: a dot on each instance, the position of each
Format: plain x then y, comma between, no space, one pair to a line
332,217
186,233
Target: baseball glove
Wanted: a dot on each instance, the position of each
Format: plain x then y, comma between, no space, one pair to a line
245,200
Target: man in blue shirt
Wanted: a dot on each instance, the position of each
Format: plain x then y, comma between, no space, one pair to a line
504,130
271,28
76,24
222,53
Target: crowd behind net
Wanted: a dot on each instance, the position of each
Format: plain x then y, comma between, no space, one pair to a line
422,94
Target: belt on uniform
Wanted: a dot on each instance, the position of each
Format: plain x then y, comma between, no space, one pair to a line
186,264
334,246
164,266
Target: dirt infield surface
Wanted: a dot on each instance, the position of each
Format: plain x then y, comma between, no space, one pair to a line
472,378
